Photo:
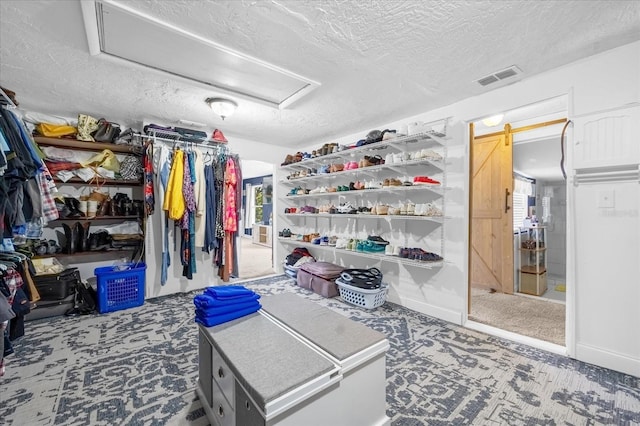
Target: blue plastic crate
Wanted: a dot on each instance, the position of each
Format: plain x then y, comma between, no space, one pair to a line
120,289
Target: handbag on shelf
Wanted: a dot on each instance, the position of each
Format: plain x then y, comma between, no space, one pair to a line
106,131
87,125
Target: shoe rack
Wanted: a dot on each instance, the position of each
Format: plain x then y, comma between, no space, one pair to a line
78,235
350,194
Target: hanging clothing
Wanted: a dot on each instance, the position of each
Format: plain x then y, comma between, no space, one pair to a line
174,199
149,195
210,240
230,196
201,198
187,222
162,160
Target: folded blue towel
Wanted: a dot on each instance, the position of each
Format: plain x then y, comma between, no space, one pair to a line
217,310
205,300
210,321
228,292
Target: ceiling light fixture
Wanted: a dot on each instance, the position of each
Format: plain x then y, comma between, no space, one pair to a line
221,106
493,120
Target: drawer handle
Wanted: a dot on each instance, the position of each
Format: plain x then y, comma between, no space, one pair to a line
220,411
247,405
220,372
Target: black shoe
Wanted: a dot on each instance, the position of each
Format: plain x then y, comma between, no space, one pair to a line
82,235
63,210
73,204
71,238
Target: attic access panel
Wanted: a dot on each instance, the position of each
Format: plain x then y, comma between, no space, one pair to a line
128,34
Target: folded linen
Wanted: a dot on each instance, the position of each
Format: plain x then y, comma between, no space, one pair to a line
205,300
210,321
228,292
224,309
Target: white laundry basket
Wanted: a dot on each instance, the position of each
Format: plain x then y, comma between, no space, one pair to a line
368,299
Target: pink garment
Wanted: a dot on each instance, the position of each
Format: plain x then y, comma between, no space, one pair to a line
230,183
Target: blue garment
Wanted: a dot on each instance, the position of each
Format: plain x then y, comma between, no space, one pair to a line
225,309
205,301
3,143
210,321
228,291
164,170
210,240
28,142
192,215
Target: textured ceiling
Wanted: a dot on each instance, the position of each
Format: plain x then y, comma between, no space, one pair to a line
377,61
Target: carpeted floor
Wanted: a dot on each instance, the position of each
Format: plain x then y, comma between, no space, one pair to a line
255,260
139,367
539,319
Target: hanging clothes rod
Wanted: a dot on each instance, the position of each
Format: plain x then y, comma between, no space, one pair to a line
176,138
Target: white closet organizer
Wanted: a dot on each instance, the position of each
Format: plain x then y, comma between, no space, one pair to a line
401,230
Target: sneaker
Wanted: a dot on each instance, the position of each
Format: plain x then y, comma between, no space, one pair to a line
424,180
432,210
377,240
341,243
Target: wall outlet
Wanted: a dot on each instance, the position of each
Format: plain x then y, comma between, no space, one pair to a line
606,199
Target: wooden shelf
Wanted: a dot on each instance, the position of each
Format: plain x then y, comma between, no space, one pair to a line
87,253
109,182
88,146
97,218
533,269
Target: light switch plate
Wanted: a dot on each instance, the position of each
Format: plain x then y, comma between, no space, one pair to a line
606,199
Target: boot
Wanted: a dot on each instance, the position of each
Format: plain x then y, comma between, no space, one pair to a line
70,235
105,208
73,204
85,234
138,208
78,231
63,210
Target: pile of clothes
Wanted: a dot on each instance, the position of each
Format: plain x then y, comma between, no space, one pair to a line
220,304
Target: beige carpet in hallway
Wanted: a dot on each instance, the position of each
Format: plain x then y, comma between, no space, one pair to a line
255,260
523,315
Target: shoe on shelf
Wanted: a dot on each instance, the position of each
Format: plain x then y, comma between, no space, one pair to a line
377,240
424,180
432,210
393,210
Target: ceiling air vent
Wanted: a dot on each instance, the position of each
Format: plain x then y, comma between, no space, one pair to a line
499,75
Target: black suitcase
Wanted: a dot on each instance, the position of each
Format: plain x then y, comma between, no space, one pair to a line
50,308
57,286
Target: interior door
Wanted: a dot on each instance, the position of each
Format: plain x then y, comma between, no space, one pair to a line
491,234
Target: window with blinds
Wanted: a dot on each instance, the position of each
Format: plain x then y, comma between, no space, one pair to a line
519,210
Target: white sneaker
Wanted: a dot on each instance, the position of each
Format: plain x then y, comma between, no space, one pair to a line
388,159
430,155
432,211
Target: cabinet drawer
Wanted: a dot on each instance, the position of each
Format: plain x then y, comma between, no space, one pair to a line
247,414
222,411
204,361
222,376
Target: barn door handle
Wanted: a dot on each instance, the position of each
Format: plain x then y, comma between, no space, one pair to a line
506,200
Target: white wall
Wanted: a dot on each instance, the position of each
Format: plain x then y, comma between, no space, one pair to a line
598,83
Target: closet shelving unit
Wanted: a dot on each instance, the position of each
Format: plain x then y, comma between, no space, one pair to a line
323,223
75,144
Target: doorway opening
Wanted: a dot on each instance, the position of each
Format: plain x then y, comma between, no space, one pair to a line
256,244
518,225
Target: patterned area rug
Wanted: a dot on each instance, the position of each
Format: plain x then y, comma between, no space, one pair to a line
139,367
